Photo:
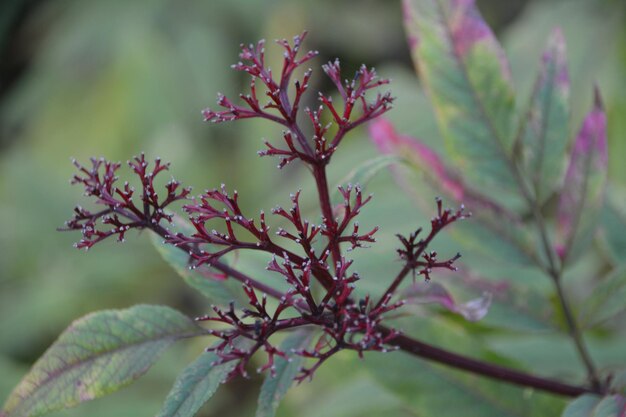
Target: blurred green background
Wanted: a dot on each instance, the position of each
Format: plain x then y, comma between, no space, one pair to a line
114,78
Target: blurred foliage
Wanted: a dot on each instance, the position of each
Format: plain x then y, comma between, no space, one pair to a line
115,78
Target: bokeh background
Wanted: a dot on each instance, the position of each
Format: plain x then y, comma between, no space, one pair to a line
114,78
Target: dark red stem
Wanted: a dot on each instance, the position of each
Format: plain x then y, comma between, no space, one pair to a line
319,172
394,285
424,350
500,373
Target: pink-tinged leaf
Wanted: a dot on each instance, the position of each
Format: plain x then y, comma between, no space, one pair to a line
583,189
432,292
388,141
515,305
464,69
486,232
545,129
430,164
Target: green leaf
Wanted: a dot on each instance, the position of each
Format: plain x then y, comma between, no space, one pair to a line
209,283
614,224
618,381
545,128
465,71
491,237
364,173
515,305
358,397
435,390
275,388
195,386
582,406
583,189
611,406
606,299
553,354
520,308
96,355
590,405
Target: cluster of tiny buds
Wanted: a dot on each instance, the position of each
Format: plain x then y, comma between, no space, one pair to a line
343,324
349,211
414,250
341,320
283,109
120,213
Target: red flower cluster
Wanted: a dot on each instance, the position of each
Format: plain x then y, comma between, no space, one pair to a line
343,321
99,182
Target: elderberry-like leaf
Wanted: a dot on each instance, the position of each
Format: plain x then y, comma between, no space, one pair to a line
607,298
275,387
582,193
96,355
595,406
545,130
462,65
211,284
614,224
195,385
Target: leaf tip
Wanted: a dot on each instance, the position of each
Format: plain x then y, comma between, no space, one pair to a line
555,54
598,104
407,10
556,36
408,16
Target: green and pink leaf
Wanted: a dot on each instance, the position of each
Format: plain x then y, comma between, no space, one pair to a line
544,132
466,73
96,355
435,293
483,233
582,194
419,155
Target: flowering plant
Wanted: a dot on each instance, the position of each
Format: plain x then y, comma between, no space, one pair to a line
319,310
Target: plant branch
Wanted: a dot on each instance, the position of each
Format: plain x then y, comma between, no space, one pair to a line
391,337
555,270
414,249
394,284
424,350
346,323
552,269
319,172
576,335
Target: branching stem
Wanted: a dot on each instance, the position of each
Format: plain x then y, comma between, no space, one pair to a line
554,270
424,350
